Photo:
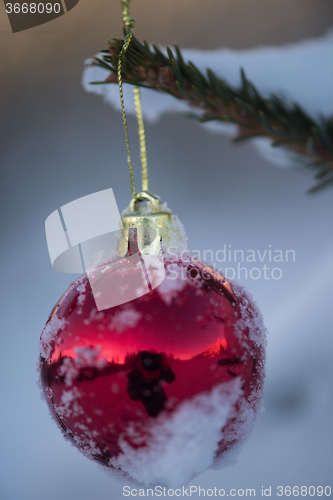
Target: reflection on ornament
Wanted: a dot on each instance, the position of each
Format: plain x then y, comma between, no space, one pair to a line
161,387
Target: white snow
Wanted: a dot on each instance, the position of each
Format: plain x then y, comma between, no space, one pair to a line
49,334
86,357
173,283
94,316
81,299
69,403
48,392
89,357
68,371
251,317
173,235
124,319
181,444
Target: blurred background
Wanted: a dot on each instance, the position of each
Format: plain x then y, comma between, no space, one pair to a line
60,143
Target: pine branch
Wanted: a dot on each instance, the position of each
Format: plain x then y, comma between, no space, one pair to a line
256,116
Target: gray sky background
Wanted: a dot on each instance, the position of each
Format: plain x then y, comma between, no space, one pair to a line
59,143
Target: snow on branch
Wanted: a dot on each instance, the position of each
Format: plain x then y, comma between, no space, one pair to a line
282,96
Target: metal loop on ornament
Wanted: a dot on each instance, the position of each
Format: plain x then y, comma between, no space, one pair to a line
144,195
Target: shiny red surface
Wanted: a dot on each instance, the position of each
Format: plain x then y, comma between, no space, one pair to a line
135,361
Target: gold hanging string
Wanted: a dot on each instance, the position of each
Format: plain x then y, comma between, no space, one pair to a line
142,138
120,83
129,24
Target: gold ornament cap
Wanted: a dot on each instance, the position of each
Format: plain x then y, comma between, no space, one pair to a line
149,220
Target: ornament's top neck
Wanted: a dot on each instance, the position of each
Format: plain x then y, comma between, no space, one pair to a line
145,202
147,221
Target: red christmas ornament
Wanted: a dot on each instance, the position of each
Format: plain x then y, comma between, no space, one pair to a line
162,386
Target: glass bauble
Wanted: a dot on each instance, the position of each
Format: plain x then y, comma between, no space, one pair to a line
160,387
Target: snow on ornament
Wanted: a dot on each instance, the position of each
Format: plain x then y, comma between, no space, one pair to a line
161,387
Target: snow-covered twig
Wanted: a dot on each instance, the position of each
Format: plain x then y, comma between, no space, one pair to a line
254,111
